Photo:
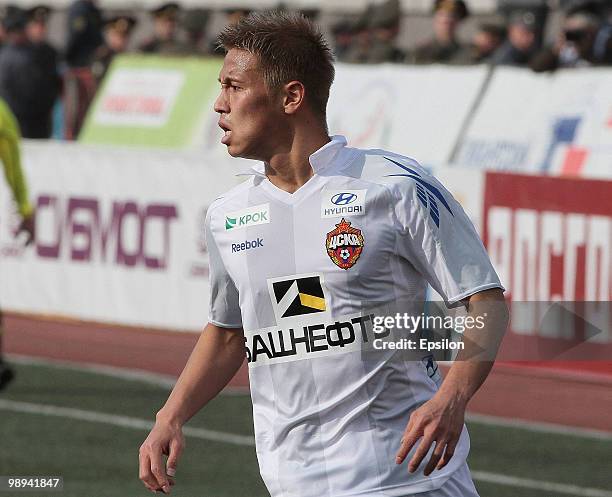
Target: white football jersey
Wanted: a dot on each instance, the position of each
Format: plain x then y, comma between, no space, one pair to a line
304,275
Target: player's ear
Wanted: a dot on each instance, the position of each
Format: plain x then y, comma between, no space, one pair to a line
293,96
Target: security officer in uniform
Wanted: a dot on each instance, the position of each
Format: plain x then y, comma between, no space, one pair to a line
29,83
3,10
117,32
36,30
486,40
359,51
165,38
233,15
84,33
38,17
443,47
46,55
194,23
521,43
384,26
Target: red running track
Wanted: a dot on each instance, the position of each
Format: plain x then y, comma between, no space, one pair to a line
511,391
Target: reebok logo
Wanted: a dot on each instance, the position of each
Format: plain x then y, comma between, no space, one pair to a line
252,216
248,245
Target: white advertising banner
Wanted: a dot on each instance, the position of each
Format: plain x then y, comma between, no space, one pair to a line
119,235
556,124
414,111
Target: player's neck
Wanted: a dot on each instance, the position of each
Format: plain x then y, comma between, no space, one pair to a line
290,168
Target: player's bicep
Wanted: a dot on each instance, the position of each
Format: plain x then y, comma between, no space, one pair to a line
224,307
441,242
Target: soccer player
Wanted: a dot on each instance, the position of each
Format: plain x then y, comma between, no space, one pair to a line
10,158
319,241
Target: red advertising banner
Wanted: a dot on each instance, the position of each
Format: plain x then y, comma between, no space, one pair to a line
550,240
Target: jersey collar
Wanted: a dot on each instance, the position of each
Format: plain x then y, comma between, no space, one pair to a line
326,155
320,160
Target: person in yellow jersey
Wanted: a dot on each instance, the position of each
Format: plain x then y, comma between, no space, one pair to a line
11,163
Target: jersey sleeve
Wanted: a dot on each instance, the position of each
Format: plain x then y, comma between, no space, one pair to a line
437,237
224,309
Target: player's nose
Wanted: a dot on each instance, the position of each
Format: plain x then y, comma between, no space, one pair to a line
221,104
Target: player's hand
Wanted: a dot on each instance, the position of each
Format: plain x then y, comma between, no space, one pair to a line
164,439
440,421
27,225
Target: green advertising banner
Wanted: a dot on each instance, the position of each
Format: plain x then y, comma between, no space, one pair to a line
153,101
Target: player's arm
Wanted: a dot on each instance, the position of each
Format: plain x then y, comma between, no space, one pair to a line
438,238
215,359
441,419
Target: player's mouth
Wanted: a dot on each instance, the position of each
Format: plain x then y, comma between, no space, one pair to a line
227,133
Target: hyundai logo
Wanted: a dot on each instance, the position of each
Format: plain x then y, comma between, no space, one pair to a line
343,198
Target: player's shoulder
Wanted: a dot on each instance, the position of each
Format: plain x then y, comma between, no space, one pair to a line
399,173
408,181
233,199
384,162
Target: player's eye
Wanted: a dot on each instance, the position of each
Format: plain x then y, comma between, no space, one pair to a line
232,87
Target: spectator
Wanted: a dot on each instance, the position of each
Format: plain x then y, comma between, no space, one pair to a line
235,14
343,33
28,83
312,14
36,30
84,33
117,31
46,55
576,45
165,32
444,46
385,25
359,52
602,48
521,44
486,40
194,23
2,33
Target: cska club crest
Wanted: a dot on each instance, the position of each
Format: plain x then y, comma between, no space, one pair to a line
344,244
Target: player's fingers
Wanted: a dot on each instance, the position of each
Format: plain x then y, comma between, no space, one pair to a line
435,457
176,449
144,472
411,436
448,453
162,479
420,453
158,470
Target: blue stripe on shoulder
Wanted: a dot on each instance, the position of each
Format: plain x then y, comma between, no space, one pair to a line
432,192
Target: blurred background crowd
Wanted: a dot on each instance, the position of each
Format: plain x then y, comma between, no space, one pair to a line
49,56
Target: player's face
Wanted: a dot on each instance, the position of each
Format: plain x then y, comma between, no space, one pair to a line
249,115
